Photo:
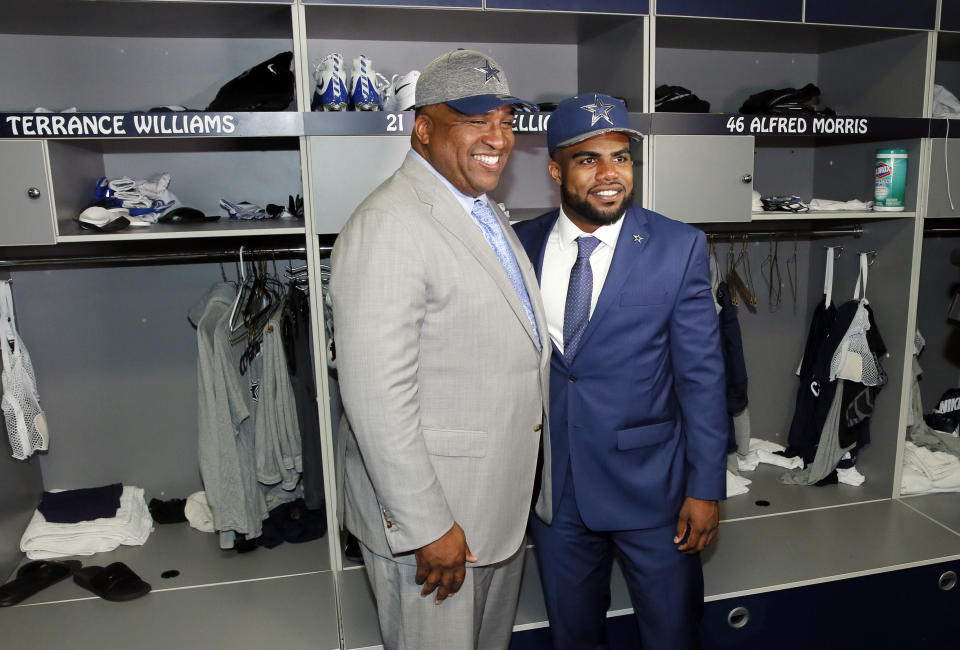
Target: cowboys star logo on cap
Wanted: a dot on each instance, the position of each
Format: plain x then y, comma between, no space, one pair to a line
598,111
489,70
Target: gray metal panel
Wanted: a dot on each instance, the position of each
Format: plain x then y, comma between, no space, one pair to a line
814,546
116,365
784,166
938,281
617,71
24,221
712,166
198,558
346,169
867,80
526,183
21,488
74,170
844,169
539,72
727,78
938,192
297,612
943,508
121,73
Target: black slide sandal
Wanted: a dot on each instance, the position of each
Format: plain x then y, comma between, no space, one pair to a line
115,582
33,577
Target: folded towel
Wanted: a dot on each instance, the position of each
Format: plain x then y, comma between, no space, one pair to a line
131,526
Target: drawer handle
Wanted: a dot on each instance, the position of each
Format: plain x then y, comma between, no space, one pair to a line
738,617
33,193
947,581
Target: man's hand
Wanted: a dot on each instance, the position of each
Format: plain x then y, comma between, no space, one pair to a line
702,518
441,564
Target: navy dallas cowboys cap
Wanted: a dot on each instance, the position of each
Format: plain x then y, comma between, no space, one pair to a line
467,81
586,115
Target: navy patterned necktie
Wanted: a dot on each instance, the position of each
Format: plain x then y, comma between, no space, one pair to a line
576,312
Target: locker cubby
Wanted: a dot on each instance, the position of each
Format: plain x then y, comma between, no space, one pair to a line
726,61
547,56
202,170
132,56
119,388
838,169
939,279
947,70
773,345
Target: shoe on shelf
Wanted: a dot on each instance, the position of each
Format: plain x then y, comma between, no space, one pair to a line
366,86
331,93
400,94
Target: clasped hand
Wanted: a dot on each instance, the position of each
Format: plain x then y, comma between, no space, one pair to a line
441,565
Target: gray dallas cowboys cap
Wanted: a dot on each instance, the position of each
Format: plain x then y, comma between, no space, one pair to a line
467,81
586,115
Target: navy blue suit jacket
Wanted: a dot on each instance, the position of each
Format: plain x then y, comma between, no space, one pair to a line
640,411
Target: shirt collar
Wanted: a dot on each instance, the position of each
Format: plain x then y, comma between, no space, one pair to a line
465,200
569,231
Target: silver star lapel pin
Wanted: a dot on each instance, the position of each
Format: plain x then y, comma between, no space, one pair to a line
598,111
638,239
489,71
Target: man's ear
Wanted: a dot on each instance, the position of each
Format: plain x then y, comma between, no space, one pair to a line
555,172
423,127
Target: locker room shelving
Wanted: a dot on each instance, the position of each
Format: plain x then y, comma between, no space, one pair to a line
182,51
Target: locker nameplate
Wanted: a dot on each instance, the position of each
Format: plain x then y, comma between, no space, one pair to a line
148,125
789,125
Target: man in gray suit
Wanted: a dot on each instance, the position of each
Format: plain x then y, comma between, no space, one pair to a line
443,372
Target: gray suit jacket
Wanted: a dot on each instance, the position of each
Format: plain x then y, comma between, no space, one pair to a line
443,383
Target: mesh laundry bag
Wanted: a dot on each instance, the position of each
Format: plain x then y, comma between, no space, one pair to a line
26,423
853,359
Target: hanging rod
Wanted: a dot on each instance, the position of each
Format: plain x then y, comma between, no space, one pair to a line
941,231
224,255
734,235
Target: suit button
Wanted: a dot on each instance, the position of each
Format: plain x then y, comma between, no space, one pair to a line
389,524
572,379
538,427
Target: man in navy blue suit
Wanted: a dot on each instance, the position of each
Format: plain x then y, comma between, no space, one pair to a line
637,400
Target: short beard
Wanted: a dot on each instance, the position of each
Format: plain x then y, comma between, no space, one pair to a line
591,214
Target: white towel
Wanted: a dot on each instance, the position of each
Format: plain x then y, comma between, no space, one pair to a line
935,465
765,451
828,205
131,526
736,485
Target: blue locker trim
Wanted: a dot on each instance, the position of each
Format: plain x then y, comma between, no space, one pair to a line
593,6
950,15
786,10
915,14
471,4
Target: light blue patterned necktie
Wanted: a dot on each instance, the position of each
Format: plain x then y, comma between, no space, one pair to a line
576,311
493,232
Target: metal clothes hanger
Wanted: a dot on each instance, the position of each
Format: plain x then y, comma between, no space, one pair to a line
792,276
770,270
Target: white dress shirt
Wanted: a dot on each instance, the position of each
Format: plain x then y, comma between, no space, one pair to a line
559,258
